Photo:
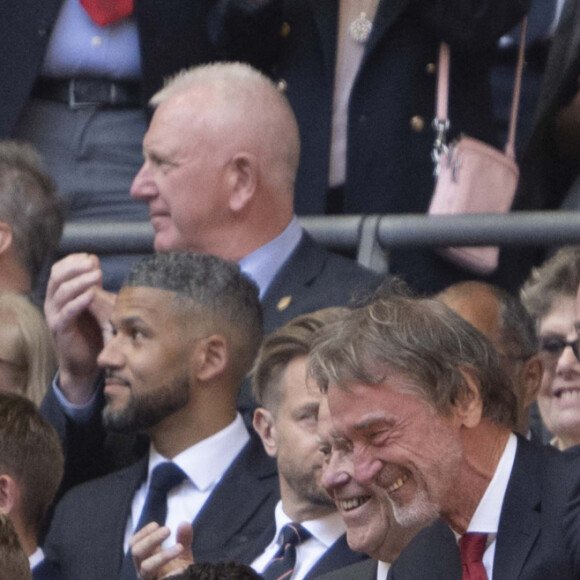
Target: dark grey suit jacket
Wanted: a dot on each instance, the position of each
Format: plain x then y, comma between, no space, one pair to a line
87,532
364,570
533,542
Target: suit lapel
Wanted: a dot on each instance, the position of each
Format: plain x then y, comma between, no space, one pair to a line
121,498
337,556
301,268
519,523
238,496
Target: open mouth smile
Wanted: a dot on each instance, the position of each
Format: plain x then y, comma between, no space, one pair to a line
353,503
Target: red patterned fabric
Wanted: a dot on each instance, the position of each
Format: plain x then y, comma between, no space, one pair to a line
472,546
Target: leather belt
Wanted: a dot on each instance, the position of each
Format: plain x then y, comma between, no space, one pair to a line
87,92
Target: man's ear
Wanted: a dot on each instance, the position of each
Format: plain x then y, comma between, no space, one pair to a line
532,380
469,409
242,176
5,237
9,495
210,357
265,426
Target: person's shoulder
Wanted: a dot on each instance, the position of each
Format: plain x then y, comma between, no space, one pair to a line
363,570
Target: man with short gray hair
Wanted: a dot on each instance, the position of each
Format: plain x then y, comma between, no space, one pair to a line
422,398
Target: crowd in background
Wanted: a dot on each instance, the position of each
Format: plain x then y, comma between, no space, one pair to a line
242,379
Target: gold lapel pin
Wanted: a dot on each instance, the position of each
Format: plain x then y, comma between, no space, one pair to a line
284,303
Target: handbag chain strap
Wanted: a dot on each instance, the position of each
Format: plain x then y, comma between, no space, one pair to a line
441,120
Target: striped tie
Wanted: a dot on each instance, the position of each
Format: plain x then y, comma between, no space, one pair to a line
282,564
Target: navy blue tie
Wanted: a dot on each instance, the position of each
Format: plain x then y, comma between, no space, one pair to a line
164,478
282,564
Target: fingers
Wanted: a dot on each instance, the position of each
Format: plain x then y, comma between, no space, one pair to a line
185,538
71,288
162,564
101,307
144,544
151,561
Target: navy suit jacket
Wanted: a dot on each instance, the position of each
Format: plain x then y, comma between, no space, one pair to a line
337,556
46,570
314,278
87,532
170,39
532,541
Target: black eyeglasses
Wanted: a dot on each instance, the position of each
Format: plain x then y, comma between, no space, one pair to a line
554,346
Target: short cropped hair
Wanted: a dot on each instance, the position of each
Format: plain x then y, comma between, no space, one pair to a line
30,205
25,335
556,277
291,341
249,104
218,571
214,292
30,452
14,564
423,340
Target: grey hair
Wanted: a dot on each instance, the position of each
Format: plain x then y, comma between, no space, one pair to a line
424,341
558,276
252,109
214,292
30,205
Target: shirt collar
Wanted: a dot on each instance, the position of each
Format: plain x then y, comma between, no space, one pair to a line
382,570
205,462
326,529
263,264
486,516
36,558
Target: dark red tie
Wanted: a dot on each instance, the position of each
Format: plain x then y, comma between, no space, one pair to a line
105,12
472,546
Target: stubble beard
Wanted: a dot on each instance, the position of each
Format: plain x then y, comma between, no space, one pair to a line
148,409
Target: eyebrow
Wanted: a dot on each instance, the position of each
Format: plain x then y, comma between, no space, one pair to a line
371,421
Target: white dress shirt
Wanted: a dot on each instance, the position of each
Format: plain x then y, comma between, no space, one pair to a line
204,464
488,512
325,531
382,570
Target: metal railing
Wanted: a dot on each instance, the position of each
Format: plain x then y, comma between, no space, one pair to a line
364,236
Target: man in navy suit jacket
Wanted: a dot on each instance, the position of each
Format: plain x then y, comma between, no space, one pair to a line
185,330
31,467
422,399
287,422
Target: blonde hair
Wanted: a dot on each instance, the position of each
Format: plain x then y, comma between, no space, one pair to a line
24,333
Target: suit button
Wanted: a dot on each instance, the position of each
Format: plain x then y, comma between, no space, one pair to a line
282,85
431,68
417,123
285,30
42,30
362,119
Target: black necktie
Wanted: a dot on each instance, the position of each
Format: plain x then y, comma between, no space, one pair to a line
164,477
282,564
